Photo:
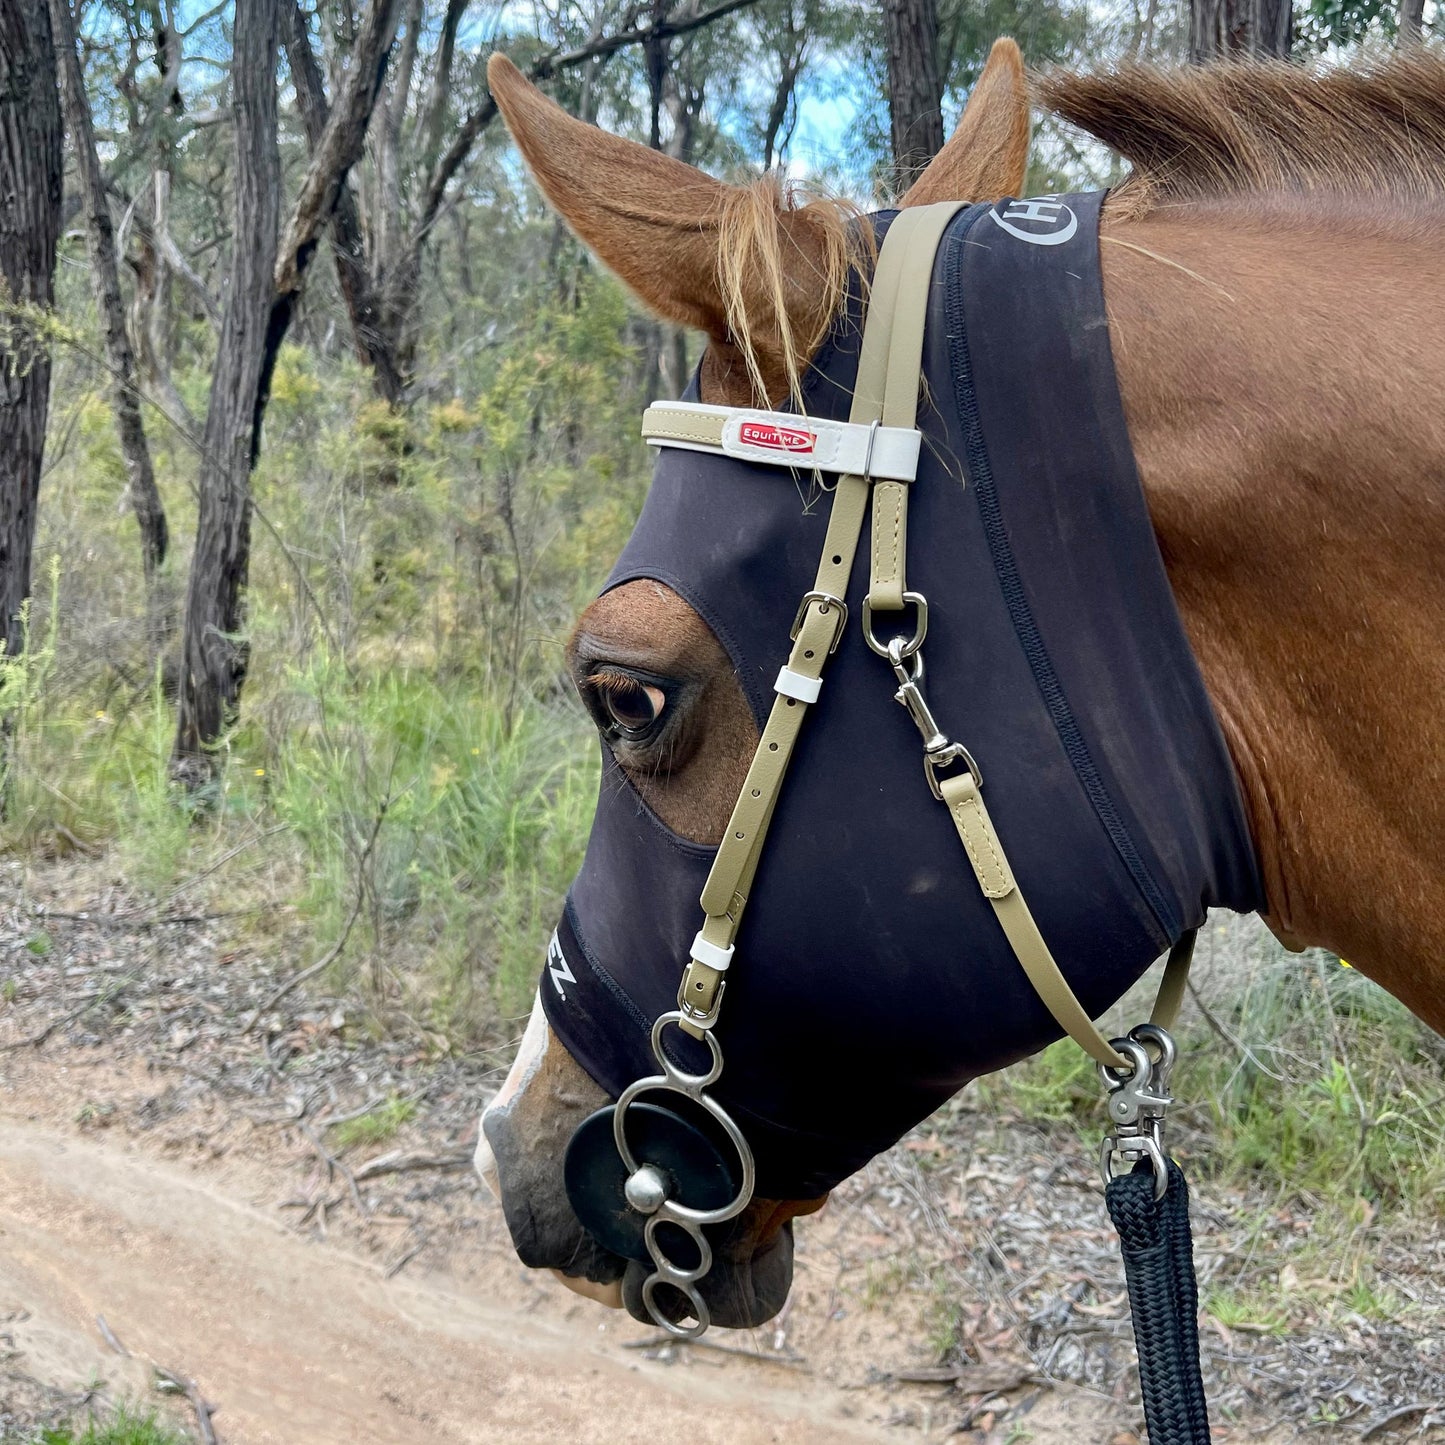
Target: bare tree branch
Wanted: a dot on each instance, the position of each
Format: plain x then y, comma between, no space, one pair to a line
349,244
339,147
145,498
544,69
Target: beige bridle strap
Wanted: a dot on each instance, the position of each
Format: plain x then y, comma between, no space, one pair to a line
900,289
887,580
964,800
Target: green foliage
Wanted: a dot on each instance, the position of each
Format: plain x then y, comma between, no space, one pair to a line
409,770
426,813
124,1428
1060,1083
1352,1110
1328,24
1255,1311
375,1127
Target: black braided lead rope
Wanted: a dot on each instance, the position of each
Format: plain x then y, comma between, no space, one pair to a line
1164,1300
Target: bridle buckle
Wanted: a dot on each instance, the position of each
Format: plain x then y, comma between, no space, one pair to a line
826,602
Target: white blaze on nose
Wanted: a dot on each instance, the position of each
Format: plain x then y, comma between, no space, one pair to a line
530,1054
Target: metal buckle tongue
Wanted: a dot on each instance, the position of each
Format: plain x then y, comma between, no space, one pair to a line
1138,1100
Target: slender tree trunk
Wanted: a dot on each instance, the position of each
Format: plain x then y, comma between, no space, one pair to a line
266,286
1240,29
373,344
1412,21
774,138
915,88
100,235
31,176
215,650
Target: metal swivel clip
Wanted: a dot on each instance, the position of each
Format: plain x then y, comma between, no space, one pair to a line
1138,1099
905,657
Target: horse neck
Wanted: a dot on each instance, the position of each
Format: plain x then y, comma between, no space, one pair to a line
1281,378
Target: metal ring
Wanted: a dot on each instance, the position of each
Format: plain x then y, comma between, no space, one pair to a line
1140,1064
694,1301
1161,1039
680,1078
667,1268
920,627
1150,1146
691,1086
934,763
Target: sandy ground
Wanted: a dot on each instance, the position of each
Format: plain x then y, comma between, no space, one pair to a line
312,1345
296,1343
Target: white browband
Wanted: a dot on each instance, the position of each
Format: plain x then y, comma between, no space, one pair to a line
784,439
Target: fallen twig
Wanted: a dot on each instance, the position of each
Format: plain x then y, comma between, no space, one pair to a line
789,1360
1404,1412
334,1166
36,1040
325,961
336,950
221,862
181,1385
990,1379
399,1163
108,1335
140,922
394,1269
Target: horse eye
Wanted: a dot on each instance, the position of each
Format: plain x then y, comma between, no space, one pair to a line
629,707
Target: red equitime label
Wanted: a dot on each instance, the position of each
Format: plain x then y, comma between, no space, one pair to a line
776,438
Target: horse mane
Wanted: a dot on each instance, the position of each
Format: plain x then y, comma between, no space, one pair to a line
762,269
1259,127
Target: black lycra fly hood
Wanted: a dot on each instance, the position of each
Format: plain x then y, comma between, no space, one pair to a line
872,978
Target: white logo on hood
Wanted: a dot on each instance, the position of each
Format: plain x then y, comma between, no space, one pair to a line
558,967
1055,222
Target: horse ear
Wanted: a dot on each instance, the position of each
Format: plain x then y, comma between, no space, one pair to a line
987,155
643,213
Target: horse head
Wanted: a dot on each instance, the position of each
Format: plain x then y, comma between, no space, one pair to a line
661,688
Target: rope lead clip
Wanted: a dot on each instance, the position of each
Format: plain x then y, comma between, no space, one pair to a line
1137,1100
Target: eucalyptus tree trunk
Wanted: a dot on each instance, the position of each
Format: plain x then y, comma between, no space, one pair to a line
371,339
1240,29
215,650
31,175
145,498
915,87
1412,21
265,287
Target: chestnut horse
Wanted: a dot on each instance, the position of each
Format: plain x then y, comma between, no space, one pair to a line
1271,271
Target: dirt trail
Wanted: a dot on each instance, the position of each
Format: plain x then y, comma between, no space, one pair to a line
303,1344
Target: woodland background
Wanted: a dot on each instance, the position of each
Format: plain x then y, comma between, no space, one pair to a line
317,430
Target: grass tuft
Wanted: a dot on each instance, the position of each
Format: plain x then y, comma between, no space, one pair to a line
124,1428
376,1127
